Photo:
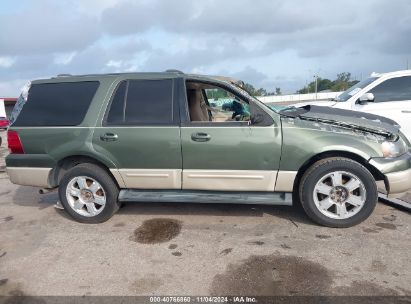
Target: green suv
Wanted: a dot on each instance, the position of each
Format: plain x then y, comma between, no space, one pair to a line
107,139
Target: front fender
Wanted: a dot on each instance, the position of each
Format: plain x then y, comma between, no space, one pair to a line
302,143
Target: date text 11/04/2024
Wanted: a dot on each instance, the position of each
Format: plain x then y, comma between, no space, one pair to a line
203,299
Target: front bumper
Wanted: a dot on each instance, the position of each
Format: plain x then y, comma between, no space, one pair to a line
398,182
397,173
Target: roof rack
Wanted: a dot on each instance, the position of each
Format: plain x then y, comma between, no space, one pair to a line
173,71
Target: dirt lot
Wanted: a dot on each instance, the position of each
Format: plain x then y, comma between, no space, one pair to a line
196,249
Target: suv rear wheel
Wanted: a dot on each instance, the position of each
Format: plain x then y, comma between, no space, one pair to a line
89,194
338,192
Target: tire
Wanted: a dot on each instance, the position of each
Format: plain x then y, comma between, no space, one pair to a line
338,202
87,185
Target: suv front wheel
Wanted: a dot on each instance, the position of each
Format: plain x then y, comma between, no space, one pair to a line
89,194
338,192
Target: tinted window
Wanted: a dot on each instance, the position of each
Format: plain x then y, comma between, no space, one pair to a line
57,104
394,89
116,115
259,117
142,101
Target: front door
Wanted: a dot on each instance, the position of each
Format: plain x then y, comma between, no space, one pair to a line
228,142
140,134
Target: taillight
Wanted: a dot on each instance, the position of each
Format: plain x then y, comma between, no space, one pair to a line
15,145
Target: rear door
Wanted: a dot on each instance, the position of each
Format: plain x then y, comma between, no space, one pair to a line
392,100
222,149
140,134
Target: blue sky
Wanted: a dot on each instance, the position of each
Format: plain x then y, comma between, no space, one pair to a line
269,43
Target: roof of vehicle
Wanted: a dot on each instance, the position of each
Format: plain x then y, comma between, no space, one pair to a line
139,75
392,74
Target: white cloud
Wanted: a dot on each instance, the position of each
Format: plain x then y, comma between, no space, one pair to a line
114,63
12,88
267,42
47,27
6,62
64,58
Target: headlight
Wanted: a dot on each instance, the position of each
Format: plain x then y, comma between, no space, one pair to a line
393,148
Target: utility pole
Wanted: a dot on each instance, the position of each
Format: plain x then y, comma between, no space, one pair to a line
316,86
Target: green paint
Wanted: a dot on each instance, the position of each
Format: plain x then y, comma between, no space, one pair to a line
285,145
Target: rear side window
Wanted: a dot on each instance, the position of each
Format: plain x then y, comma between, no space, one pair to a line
394,89
142,102
57,104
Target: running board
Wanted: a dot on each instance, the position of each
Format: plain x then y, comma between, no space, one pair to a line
395,202
193,196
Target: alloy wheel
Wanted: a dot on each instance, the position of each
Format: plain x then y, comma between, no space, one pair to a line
86,196
339,195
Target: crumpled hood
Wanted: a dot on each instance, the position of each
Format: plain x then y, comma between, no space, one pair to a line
347,119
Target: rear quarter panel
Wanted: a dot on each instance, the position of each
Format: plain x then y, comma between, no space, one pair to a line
45,146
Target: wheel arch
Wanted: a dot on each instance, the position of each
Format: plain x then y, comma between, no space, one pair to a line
378,176
68,162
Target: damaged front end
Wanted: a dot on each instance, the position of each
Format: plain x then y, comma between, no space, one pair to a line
376,139
340,124
346,119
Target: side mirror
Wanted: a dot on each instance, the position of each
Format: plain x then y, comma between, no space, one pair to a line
366,98
257,118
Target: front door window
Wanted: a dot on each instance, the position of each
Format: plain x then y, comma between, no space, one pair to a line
212,104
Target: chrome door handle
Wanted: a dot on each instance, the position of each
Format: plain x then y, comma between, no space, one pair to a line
406,111
200,137
109,137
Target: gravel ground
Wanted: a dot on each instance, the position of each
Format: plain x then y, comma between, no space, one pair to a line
196,249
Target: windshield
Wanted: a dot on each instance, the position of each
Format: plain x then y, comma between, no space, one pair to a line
355,89
276,107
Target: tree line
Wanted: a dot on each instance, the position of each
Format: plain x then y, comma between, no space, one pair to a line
260,92
341,83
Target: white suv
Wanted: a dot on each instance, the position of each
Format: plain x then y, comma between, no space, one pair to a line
387,94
